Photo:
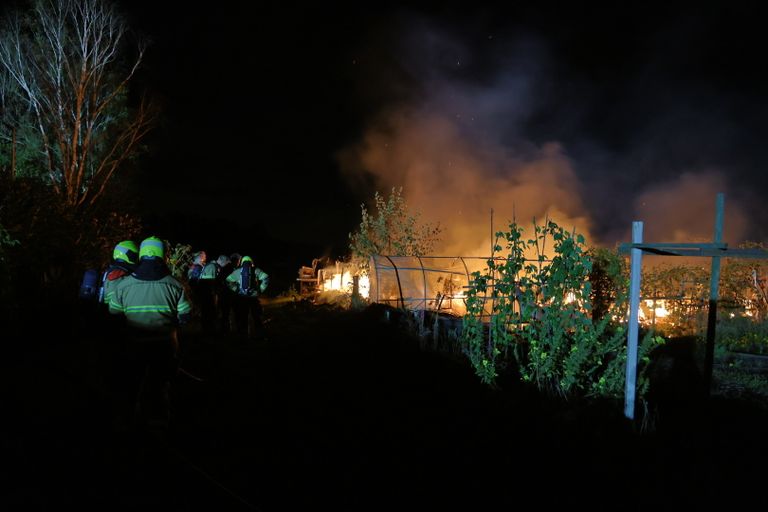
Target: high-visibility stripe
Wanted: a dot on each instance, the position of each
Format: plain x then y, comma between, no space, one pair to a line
159,308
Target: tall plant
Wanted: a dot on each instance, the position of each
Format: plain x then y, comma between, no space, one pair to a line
541,310
392,230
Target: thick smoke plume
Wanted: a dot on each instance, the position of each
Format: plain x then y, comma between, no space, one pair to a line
459,149
452,179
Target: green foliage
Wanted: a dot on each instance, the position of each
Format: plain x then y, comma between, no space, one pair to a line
393,230
179,257
734,380
608,278
742,334
685,292
744,284
541,310
21,147
684,288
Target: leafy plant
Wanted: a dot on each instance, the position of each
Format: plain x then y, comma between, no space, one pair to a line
178,258
608,279
741,334
684,292
744,284
393,230
541,310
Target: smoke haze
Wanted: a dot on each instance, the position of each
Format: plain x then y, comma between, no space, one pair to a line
463,143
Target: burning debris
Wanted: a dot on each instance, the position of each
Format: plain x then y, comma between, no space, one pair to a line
337,278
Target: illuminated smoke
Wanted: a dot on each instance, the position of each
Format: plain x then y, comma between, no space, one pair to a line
456,181
458,148
684,210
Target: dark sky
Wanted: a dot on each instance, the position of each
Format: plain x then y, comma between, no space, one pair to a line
286,117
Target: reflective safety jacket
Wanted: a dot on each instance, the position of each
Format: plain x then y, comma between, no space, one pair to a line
114,273
210,271
150,298
235,282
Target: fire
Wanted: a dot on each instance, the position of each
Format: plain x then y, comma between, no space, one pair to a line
658,307
364,286
345,282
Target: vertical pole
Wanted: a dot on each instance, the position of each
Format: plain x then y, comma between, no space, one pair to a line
492,236
714,282
493,292
636,256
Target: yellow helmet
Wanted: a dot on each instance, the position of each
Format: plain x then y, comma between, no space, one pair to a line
152,247
126,251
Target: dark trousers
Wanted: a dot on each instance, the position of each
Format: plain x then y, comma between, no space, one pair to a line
144,369
224,300
248,320
206,304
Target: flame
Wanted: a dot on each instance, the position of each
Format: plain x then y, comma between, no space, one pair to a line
344,282
364,286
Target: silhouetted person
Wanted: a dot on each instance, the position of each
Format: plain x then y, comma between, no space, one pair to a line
154,306
248,282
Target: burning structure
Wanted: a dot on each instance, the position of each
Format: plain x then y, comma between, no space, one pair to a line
414,283
672,300
431,283
322,277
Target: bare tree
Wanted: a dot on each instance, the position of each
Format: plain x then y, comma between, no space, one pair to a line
68,72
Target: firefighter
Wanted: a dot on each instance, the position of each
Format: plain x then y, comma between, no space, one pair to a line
196,292
196,268
247,282
96,289
124,258
224,295
154,306
206,294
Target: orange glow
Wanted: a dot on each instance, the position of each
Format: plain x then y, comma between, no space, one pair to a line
344,282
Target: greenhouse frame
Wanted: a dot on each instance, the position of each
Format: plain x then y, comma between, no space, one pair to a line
428,283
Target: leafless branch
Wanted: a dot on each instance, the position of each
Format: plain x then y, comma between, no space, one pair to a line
65,66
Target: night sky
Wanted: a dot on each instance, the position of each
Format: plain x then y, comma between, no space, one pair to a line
282,118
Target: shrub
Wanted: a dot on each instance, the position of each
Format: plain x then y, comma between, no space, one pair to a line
541,309
742,334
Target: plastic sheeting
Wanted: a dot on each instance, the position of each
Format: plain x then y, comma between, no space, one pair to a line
433,283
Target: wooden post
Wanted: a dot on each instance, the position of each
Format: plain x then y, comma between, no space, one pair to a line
636,256
714,282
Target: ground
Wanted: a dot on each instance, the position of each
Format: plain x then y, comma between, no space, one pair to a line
341,410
